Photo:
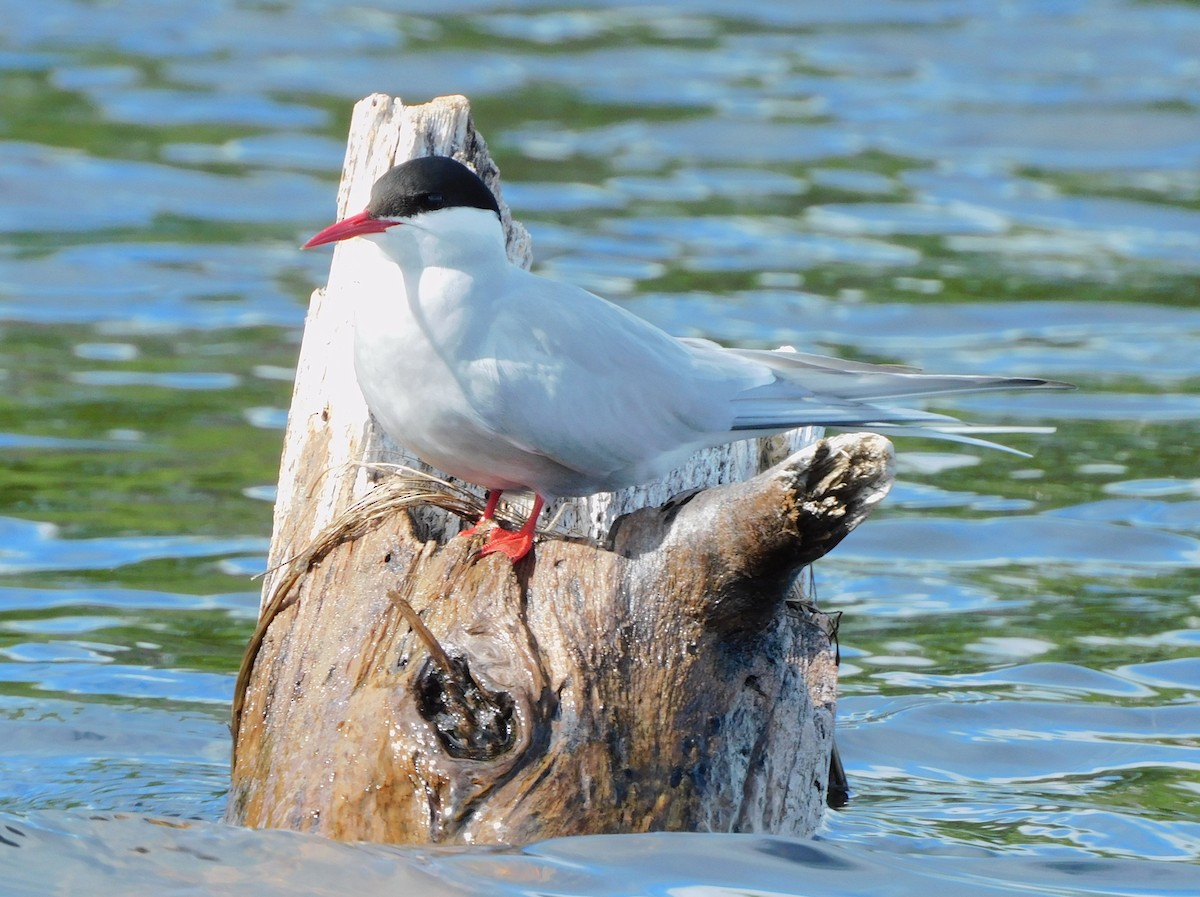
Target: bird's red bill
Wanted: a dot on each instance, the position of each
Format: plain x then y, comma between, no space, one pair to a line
354,226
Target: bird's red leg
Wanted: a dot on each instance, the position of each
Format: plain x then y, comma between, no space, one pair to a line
489,512
515,545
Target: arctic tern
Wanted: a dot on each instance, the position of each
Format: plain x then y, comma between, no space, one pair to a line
512,381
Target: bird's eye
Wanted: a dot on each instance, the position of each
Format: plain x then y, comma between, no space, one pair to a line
433,201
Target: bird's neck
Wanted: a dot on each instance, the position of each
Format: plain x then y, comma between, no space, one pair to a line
430,281
464,239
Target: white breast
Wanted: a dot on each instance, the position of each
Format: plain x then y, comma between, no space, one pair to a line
421,363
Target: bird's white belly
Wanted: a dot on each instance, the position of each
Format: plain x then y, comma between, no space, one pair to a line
419,401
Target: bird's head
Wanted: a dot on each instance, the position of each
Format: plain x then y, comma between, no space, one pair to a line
409,191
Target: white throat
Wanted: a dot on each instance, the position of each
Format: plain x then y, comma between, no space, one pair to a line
418,271
460,237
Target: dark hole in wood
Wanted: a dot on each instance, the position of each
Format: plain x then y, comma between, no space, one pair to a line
472,722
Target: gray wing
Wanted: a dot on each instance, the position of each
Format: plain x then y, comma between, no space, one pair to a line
598,390
595,388
817,389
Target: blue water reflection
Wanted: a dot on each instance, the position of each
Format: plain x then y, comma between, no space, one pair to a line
170,856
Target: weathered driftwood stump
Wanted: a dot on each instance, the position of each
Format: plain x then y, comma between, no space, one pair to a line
400,690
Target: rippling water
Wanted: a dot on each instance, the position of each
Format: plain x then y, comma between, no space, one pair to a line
1011,188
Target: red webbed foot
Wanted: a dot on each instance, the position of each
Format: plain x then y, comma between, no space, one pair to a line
513,545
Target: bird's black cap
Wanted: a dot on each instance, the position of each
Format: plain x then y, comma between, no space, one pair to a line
424,185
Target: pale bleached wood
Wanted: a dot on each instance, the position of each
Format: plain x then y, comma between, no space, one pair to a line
660,684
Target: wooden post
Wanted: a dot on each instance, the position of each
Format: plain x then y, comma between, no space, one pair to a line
398,689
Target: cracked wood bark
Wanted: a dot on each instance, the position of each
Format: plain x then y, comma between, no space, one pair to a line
397,690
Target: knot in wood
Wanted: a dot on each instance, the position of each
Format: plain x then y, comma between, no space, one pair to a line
471,721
